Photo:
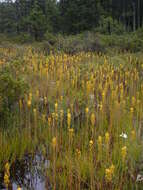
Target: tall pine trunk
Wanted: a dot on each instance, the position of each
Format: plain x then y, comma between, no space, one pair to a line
134,16
139,23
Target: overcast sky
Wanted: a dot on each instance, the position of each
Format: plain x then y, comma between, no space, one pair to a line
14,0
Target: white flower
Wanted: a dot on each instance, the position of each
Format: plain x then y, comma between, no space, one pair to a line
124,135
139,178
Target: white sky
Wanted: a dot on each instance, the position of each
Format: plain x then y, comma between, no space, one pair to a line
14,0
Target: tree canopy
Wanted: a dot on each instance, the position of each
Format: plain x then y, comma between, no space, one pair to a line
35,17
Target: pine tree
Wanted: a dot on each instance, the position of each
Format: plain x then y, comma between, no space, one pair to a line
37,21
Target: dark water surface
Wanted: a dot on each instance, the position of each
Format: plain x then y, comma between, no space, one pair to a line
27,173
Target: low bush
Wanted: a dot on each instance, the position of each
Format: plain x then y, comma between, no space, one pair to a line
81,43
23,38
93,41
11,90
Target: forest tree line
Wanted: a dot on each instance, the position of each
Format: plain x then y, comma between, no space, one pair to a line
36,17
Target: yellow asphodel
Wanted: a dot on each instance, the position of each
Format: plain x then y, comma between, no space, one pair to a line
109,173
107,138
56,107
133,134
7,175
90,144
131,109
54,141
34,111
6,180
49,120
69,119
124,152
29,103
71,130
19,188
86,111
78,153
92,118
99,141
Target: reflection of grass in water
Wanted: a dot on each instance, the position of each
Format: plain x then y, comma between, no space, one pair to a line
87,109
28,172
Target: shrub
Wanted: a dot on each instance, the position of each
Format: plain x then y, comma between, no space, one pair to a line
84,42
110,26
50,38
11,90
23,38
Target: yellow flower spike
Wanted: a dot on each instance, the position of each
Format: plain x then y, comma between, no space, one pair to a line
61,98
54,141
34,111
107,138
69,119
40,65
86,110
49,121
103,95
56,107
29,103
99,141
71,130
7,175
92,119
73,82
88,86
109,173
61,114
78,153
30,95
133,134
19,188
7,167
131,109
112,168
6,180
90,143
124,152
45,100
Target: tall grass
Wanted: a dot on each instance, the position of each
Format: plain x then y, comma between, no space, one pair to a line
87,110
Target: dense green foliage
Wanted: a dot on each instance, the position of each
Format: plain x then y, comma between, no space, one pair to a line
32,17
12,87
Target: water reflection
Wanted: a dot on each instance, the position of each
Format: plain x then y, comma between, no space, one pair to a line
27,173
